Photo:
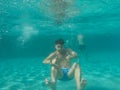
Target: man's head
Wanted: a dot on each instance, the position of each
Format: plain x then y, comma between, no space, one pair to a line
59,44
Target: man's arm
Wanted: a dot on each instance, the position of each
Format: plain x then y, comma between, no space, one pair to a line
71,54
49,59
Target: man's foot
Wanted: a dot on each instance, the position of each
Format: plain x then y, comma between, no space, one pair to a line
83,83
50,84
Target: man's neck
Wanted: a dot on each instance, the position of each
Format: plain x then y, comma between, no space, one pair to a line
62,52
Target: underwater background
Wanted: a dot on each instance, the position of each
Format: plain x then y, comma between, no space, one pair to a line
29,28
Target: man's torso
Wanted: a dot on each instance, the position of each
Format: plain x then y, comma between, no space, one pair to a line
61,60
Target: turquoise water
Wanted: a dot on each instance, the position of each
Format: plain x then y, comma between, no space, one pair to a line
28,29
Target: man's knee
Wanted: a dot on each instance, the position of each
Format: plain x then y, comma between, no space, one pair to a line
76,64
53,69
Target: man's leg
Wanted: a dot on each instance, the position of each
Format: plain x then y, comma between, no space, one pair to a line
76,72
54,75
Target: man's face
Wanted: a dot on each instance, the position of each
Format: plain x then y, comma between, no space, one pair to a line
59,47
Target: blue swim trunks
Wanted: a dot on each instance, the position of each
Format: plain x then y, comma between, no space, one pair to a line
65,74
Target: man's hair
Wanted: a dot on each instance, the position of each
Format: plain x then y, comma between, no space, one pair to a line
59,41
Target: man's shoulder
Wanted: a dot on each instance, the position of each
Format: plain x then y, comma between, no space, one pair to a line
69,50
53,53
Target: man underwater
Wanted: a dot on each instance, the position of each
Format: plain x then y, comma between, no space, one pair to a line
62,67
